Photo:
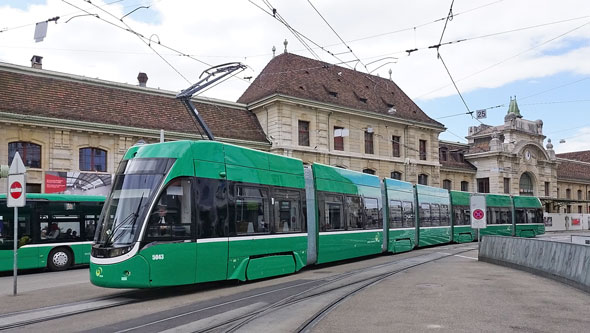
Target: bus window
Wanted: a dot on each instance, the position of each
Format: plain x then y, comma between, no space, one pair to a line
372,215
409,217
395,214
354,217
425,220
170,218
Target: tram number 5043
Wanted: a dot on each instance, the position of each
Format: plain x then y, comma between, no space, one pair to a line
157,257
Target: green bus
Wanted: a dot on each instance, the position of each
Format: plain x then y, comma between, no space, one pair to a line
54,231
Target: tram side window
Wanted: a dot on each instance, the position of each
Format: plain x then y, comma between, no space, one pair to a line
505,216
435,214
372,214
445,218
171,217
425,220
330,212
287,211
354,213
211,205
520,216
409,216
395,214
533,215
252,210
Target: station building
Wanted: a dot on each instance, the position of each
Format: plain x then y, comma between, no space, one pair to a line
72,131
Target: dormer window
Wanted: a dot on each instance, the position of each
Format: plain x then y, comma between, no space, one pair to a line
333,93
362,99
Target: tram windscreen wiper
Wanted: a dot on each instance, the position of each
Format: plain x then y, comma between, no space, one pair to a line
130,219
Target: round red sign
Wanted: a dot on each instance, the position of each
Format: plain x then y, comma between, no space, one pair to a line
478,214
16,190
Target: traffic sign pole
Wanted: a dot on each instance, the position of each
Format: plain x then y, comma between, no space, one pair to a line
16,197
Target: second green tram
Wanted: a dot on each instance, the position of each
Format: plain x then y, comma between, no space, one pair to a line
187,212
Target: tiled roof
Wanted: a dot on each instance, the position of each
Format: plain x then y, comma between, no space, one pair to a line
569,168
453,157
296,76
35,92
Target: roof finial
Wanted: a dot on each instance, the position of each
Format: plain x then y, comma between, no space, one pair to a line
274,49
513,107
390,72
285,43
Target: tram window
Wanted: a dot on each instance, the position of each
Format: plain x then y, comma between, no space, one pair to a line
425,220
435,214
354,214
395,214
171,218
287,211
252,210
330,212
520,216
445,218
372,216
466,216
533,216
505,216
211,205
409,217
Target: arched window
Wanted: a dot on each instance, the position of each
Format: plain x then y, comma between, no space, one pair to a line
369,171
422,179
396,175
526,184
465,186
93,159
447,184
29,152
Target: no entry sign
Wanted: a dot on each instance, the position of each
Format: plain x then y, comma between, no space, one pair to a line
478,211
16,190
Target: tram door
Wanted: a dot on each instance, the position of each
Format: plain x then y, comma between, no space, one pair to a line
172,257
212,229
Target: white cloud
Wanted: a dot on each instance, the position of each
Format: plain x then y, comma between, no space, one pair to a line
222,31
575,140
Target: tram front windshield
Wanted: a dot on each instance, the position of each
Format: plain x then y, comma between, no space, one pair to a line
135,184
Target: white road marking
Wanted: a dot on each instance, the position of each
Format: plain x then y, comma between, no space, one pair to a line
457,255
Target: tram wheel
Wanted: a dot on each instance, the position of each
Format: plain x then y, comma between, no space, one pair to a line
59,259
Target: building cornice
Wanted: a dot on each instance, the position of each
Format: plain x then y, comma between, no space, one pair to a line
337,108
77,125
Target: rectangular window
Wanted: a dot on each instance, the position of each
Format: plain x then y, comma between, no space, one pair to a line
368,143
464,186
171,219
579,209
372,216
251,210
354,213
423,150
435,214
409,217
338,138
483,185
444,215
288,213
546,189
507,185
331,212
425,220
395,140
447,184
395,214
303,133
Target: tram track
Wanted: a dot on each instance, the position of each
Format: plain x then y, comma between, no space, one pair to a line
343,286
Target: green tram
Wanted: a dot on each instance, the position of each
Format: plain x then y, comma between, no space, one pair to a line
187,212
54,231
506,215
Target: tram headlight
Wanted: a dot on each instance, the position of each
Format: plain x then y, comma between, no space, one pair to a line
120,251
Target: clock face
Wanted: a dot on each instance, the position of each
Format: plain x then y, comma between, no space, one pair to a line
527,154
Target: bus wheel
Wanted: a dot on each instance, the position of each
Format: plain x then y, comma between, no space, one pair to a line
59,259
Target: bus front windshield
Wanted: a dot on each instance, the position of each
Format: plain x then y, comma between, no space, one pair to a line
135,184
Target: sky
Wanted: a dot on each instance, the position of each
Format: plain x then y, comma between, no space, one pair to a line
536,50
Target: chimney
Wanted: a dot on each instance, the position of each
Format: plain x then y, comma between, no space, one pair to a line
36,62
142,78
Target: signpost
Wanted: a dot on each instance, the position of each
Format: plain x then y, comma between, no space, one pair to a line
477,205
16,198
